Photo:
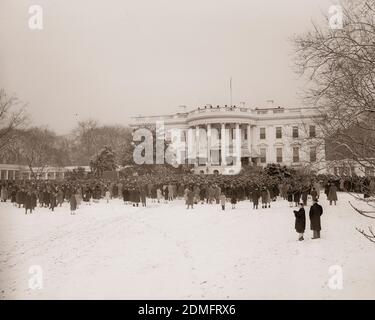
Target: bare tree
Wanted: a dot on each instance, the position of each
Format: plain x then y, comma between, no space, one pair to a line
12,117
340,67
37,148
88,139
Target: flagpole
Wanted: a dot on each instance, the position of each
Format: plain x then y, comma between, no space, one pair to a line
230,91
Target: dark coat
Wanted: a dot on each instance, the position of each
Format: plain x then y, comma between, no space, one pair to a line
290,196
136,196
300,224
233,196
33,199
264,196
60,196
255,195
28,201
143,195
165,193
190,198
13,196
125,194
73,202
316,211
305,192
332,193
52,200
296,196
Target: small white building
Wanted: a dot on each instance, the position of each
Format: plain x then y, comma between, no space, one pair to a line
23,172
288,136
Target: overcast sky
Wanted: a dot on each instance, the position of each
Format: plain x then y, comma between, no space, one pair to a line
114,59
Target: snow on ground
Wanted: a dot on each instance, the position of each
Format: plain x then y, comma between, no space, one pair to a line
114,251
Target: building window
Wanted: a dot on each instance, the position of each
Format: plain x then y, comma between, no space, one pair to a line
295,132
279,155
278,133
262,133
245,134
295,154
312,132
312,154
263,153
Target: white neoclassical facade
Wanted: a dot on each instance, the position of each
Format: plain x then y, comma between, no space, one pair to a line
288,136
10,172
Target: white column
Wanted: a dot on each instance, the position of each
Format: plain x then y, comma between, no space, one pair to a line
249,141
6,175
54,175
237,144
197,145
209,144
223,146
190,146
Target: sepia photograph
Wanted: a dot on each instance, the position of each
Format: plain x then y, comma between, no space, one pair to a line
187,150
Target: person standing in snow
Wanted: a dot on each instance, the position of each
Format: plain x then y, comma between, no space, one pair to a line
4,193
165,193
190,199
170,192
332,194
73,203
264,196
217,193
314,194
143,193
315,213
317,188
107,196
28,202
223,199
52,200
159,194
60,197
296,195
289,195
255,195
300,224
233,196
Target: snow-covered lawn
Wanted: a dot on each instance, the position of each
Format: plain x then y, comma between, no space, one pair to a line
113,251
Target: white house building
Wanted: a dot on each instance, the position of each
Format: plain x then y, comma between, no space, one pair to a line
288,136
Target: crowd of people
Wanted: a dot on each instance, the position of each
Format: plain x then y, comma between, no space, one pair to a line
261,190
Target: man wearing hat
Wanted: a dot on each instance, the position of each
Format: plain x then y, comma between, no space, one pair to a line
316,211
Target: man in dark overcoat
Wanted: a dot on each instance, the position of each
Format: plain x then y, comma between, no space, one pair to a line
315,213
